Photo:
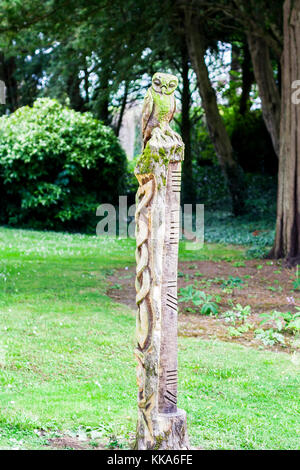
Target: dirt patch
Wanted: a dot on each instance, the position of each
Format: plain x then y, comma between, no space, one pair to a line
264,285
70,443
66,443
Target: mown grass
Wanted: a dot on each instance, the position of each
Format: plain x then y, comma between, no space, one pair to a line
66,354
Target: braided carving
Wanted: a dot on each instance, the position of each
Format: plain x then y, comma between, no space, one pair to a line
142,284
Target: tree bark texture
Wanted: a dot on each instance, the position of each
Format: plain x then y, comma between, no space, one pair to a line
268,90
287,240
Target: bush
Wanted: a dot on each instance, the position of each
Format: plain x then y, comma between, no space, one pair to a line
212,190
251,141
211,187
56,167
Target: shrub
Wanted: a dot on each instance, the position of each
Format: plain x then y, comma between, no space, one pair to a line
211,190
56,167
251,141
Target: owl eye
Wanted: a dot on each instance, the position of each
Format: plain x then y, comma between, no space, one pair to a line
156,81
172,84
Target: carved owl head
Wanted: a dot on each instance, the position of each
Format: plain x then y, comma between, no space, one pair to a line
164,83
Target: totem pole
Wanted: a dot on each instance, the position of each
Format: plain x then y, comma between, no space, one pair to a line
161,425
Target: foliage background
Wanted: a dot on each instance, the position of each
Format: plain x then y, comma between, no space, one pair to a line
57,166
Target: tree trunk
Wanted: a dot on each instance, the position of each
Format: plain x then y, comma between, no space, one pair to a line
73,91
235,62
7,74
103,101
86,85
123,106
247,80
287,241
268,91
231,169
187,180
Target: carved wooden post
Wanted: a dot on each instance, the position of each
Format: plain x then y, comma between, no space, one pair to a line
161,425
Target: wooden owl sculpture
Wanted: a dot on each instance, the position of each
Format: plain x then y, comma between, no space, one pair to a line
159,106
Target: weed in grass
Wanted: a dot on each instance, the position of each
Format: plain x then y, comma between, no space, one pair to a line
108,272
233,332
191,310
282,320
114,443
240,330
237,314
295,343
294,324
273,317
239,264
198,274
189,294
209,307
233,282
94,444
228,290
269,337
275,289
199,298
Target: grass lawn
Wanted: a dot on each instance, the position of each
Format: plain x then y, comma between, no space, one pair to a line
67,364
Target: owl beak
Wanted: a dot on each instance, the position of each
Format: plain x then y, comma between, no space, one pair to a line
163,89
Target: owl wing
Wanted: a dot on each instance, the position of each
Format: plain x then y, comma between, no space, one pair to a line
147,109
173,110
